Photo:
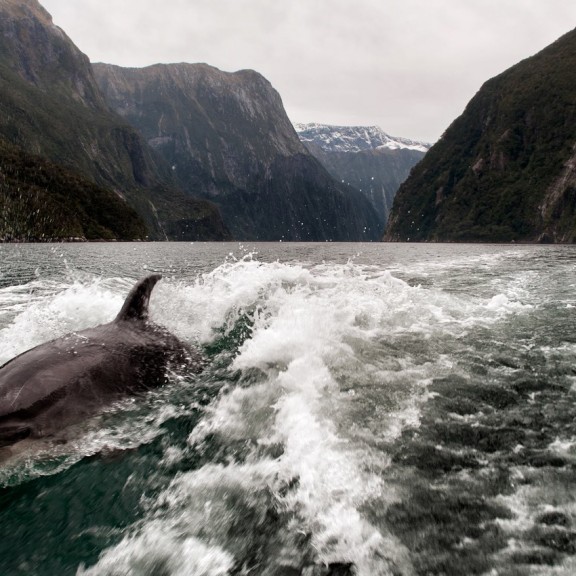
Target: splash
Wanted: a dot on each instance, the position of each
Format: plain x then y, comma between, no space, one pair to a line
315,370
292,449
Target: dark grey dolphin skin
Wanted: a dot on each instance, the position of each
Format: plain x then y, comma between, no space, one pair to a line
63,381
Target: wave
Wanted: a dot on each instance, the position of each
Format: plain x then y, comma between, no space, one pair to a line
314,370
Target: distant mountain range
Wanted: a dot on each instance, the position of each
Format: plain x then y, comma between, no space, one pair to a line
505,170
364,158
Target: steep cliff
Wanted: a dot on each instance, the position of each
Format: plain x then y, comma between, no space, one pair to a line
51,106
506,169
228,139
365,158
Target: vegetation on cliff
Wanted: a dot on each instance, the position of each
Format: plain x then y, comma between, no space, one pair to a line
506,169
40,201
51,107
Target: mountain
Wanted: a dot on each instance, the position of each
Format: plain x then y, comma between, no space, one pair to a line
505,170
52,107
365,158
354,139
228,139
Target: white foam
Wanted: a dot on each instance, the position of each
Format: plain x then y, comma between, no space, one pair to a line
564,447
502,305
310,325
332,484
321,336
216,299
566,567
302,335
160,549
50,316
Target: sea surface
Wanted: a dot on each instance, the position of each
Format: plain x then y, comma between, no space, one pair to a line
368,409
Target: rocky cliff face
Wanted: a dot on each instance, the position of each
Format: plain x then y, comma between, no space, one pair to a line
365,158
51,106
41,54
506,169
227,138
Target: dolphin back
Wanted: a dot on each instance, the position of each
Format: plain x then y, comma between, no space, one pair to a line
136,303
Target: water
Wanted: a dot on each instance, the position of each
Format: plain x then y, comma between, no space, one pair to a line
374,409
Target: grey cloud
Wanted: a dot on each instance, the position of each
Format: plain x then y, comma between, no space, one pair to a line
409,66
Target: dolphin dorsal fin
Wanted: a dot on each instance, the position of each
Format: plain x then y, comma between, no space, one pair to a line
136,303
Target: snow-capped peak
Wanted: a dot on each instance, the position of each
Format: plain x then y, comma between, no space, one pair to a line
354,138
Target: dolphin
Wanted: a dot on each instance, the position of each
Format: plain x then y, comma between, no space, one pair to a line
63,381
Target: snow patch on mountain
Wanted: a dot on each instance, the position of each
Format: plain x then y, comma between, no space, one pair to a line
354,138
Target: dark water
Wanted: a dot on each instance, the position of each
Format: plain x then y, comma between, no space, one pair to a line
367,408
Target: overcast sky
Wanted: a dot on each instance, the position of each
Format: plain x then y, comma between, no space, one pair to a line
408,66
